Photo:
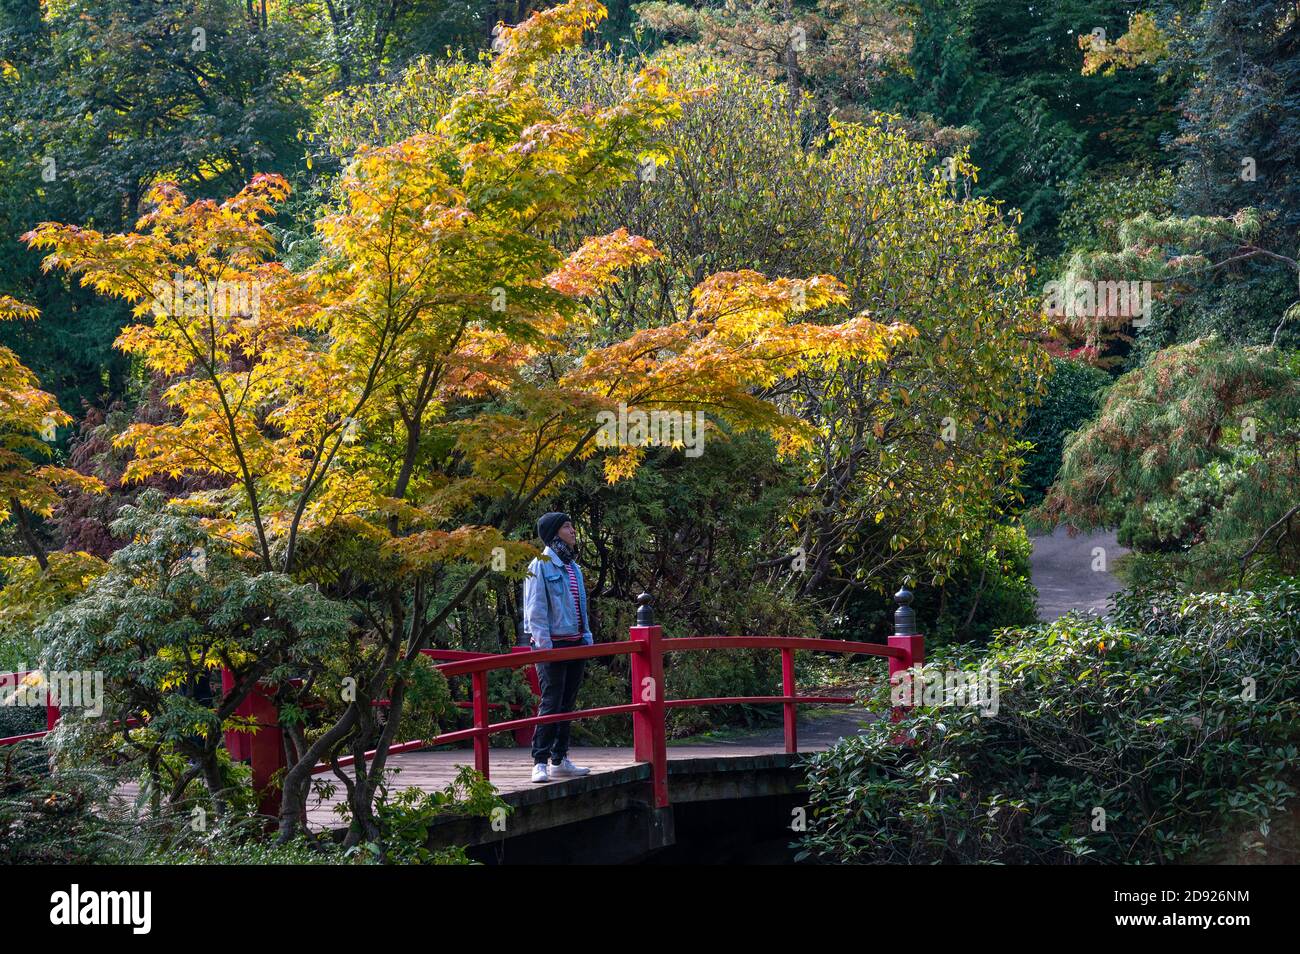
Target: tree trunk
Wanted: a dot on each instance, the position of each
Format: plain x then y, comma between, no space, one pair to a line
792,74
28,534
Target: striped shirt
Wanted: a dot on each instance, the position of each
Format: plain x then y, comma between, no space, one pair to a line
577,602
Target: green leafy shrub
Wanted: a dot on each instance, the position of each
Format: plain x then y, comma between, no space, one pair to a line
990,589
1137,741
72,816
687,675
241,845
1073,398
63,818
602,685
406,816
174,608
19,720
732,672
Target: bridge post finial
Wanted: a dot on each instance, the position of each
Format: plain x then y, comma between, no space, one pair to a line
904,616
912,644
645,614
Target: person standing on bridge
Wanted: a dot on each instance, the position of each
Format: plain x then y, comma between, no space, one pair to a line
555,617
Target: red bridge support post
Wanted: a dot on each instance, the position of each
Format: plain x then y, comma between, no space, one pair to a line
791,708
52,711
481,720
912,643
648,690
264,749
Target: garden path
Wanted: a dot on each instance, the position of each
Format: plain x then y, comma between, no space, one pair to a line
1074,573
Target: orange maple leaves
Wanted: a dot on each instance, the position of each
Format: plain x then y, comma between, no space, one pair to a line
738,339
28,419
425,362
597,263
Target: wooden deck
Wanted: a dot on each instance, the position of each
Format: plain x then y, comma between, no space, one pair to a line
511,768
511,771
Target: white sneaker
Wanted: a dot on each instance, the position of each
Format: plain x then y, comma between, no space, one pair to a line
539,773
567,769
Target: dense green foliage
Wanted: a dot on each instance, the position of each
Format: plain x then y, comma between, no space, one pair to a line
174,606
743,184
1135,741
1194,456
747,187
1227,233
1073,398
988,588
1010,72
1245,104
100,98
63,820
73,818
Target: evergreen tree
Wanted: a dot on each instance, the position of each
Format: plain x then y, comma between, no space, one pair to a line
1011,70
1194,456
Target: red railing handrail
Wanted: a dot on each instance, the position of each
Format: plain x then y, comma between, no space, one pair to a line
491,662
781,642
467,663
454,654
478,665
15,739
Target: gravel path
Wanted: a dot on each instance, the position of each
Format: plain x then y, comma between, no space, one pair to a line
1063,570
819,728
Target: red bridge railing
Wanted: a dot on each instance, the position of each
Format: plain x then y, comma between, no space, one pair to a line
646,646
13,683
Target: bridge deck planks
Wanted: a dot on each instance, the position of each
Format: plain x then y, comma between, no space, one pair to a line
511,769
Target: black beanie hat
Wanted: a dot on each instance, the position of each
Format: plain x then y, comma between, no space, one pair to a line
549,525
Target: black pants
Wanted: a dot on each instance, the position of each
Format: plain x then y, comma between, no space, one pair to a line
559,683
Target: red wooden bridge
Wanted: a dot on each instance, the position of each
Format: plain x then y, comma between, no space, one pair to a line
619,776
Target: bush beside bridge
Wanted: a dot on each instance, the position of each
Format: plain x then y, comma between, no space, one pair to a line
1147,719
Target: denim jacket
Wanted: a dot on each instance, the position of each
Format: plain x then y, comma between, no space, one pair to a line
548,603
